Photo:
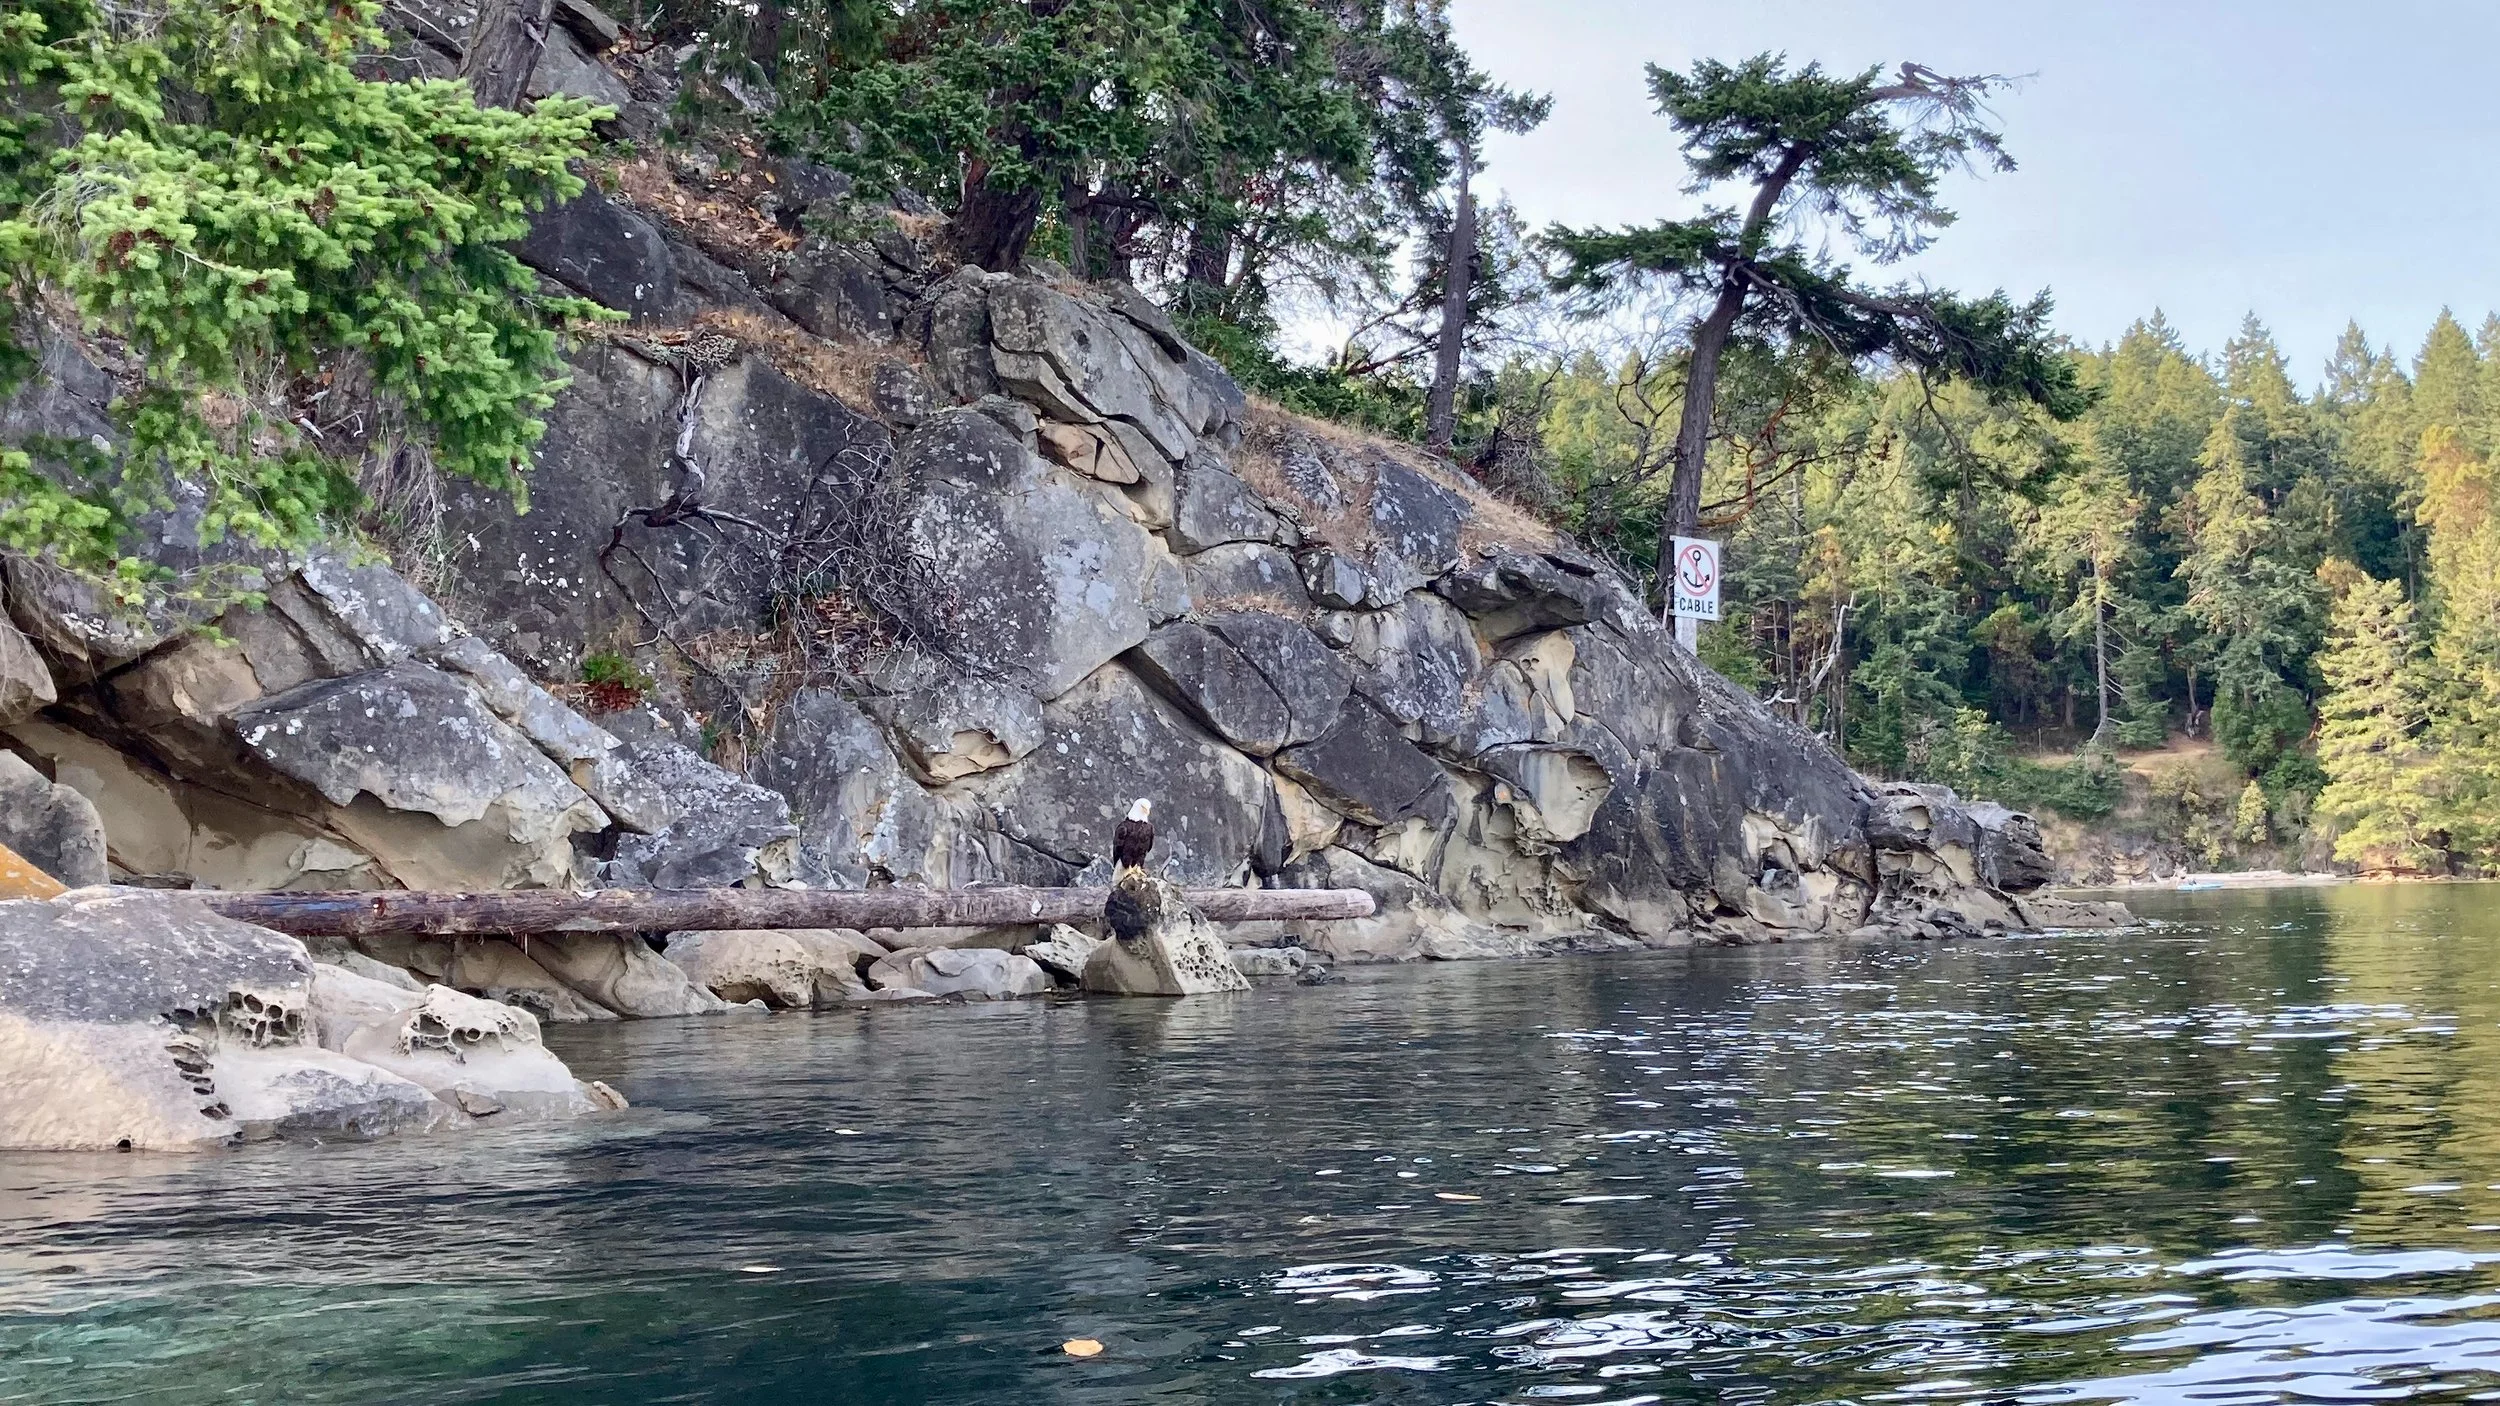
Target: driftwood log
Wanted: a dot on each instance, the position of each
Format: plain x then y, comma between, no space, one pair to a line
681,910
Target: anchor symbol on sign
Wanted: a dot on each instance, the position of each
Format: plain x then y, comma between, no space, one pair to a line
1696,569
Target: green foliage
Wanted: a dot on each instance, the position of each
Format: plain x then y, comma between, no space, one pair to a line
606,667
2252,817
1857,153
221,191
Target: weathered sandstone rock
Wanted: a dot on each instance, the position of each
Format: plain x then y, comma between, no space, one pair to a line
143,1022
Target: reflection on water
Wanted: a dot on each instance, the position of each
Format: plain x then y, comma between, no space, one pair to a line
2247,1155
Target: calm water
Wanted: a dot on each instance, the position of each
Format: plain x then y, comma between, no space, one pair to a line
2247,1155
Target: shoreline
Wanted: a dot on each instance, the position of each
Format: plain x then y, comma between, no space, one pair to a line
2258,879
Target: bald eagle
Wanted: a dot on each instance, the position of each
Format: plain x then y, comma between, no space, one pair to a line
1133,838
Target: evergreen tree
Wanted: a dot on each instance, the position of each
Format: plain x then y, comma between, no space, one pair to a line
2369,735
2457,507
1867,155
2447,381
2256,605
219,188
2251,818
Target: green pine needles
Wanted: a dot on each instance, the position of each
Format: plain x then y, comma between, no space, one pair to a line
211,184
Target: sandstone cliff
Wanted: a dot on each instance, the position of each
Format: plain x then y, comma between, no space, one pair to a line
929,573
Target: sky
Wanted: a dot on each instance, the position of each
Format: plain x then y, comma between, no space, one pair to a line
2312,161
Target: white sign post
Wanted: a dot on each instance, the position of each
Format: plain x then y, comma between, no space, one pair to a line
1693,586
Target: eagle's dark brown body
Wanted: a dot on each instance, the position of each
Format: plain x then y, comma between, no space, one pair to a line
1130,842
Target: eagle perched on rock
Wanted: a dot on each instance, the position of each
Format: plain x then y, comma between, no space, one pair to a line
1121,912
1135,836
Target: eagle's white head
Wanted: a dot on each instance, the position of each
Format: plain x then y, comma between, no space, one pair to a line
1143,810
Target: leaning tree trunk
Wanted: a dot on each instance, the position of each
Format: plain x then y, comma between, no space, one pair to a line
1692,433
993,226
504,45
1457,272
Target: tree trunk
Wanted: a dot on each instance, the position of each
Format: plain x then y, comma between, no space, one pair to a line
504,45
1075,214
679,910
1458,269
1207,273
1701,382
992,227
1692,432
2100,650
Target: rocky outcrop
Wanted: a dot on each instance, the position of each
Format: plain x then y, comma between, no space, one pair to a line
142,1022
1009,557
50,826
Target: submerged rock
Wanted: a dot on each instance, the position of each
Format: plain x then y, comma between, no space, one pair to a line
973,973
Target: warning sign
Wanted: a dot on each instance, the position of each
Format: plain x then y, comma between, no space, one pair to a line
1695,579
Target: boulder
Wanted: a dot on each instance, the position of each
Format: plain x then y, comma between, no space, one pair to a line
1245,576
344,1002
769,448
1082,364
1048,819
620,972
961,724
375,606
1364,770
1517,593
841,957
1062,953
973,973
858,816
1211,507
69,618
1092,451
416,740
1986,845
586,752
565,66
727,831
144,1022
1211,681
605,252
954,325
839,293
589,25
1419,661
25,684
1416,524
1335,580
2050,912
480,1057
1410,921
1175,953
901,394
1275,961
507,971
1046,581
1259,681
773,967
50,826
